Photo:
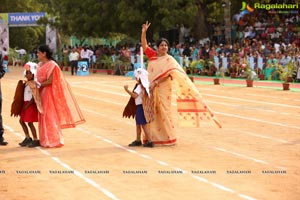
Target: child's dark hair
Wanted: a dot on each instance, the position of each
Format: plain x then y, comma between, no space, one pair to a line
31,73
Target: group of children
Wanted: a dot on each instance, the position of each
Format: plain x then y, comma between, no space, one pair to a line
25,105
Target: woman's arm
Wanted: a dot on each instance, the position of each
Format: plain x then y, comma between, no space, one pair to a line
160,80
47,82
143,36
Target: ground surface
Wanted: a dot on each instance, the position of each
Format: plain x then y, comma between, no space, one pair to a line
254,156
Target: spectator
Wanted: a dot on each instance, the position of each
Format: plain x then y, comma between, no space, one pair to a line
2,72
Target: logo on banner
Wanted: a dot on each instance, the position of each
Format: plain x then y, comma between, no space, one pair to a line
272,8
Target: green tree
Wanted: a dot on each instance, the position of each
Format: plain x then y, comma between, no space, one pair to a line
103,17
24,37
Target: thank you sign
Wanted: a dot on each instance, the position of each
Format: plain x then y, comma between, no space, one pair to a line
24,19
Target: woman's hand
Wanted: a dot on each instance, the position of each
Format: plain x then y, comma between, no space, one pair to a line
153,85
145,26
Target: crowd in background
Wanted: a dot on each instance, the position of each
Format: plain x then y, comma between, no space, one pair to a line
273,37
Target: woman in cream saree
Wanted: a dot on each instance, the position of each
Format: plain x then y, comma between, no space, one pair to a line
60,107
191,109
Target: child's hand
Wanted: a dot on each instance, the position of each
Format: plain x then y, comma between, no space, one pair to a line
126,87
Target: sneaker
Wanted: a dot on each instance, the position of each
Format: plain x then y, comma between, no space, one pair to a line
25,142
3,142
148,144
34,143
135,143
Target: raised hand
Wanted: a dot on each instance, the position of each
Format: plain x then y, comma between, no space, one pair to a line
145,26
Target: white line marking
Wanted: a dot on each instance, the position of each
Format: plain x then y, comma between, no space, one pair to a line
246,197
220,149
263,136
201,179
221,187
226,114
145,156
179,169
253,101
258,120
162,163
131,151
77,173
89,181
269,97
246,157
216,185
241,155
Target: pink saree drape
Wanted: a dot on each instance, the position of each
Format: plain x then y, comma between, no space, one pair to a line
192,111
59,105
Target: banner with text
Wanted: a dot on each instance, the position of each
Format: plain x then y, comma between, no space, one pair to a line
24,19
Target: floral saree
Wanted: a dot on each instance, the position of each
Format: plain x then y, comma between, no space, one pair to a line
59,105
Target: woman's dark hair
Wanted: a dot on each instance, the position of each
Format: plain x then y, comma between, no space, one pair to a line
162,40
45,48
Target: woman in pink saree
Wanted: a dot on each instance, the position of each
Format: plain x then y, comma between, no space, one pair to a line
60,107
163,70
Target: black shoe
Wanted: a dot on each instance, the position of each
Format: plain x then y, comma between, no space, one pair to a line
3,142
25,142
148,144
34,143
135,143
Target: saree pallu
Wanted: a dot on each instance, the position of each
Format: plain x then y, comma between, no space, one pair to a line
192,111
59,105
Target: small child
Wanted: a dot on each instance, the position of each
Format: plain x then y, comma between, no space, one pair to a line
140,89
28,109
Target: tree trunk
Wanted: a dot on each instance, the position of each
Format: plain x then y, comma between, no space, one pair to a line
200,27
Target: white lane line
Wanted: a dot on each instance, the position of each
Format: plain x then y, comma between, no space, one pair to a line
242,107
221,187
226,114
66,166
162,163
247,132
180,170
217,96
263,136
258,120
145,156
246,197
220,149
247,157
249,94
132,151
242,156
89,181
216,185
257,135
272,97
252,101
